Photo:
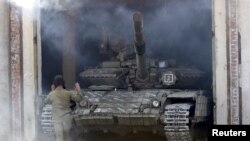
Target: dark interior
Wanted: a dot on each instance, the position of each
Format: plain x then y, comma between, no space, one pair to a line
174,29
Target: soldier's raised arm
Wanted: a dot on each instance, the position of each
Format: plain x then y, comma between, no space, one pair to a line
77,97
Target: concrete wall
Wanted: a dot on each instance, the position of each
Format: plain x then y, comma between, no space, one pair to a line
227,106
220,62
4,72
244,29
29,75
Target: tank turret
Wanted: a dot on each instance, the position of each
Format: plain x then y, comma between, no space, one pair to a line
124,69
142,72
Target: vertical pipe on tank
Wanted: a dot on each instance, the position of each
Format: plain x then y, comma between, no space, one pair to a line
69,44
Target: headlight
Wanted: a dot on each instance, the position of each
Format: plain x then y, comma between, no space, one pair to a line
168,78
83,103
156,103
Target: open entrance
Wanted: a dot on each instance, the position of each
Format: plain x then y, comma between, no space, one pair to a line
173,29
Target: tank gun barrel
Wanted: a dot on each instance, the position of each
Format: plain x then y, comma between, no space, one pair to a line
142,72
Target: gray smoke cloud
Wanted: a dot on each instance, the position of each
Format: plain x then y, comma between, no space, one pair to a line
175,29
181,30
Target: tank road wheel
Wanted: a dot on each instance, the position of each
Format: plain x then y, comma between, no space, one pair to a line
177,122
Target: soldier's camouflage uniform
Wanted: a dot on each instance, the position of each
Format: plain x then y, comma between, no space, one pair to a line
61,112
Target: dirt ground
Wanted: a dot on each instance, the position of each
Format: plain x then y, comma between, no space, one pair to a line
112,137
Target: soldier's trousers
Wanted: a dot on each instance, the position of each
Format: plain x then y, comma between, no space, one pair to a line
63,127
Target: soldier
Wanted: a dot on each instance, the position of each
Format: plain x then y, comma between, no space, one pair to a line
61,111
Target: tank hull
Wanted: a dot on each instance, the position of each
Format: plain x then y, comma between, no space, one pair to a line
123,112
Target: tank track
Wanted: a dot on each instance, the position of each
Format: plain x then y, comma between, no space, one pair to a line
176,122
46,120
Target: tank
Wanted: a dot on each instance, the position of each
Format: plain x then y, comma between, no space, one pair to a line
129,93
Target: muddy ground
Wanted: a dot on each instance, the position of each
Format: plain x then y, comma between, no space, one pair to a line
113,137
